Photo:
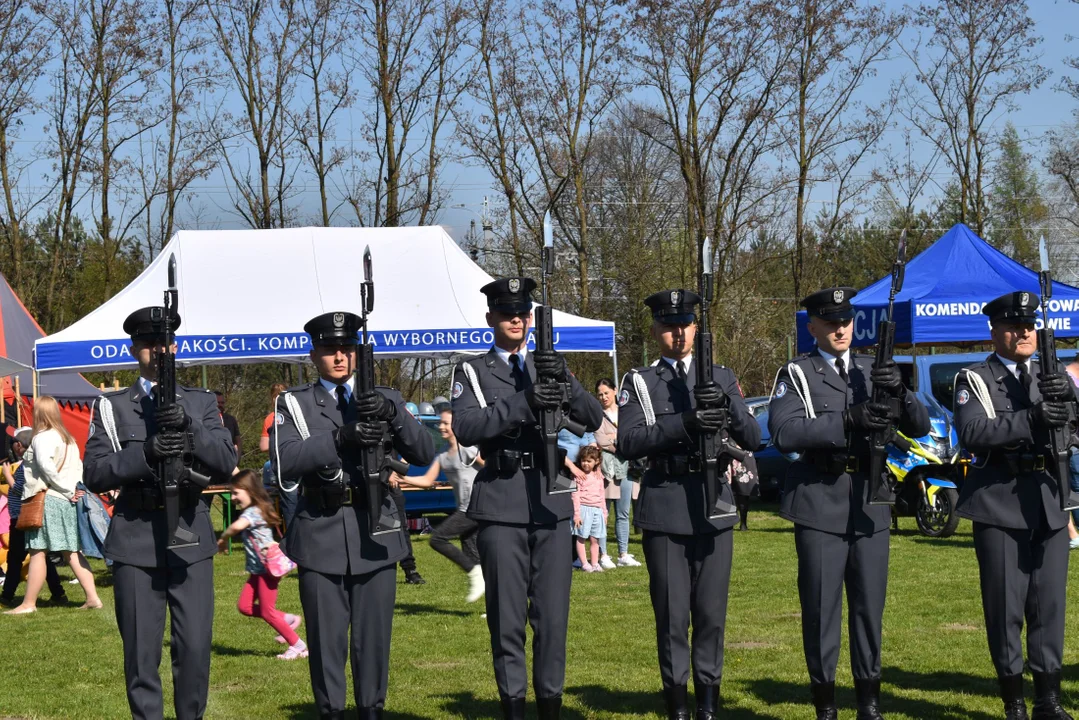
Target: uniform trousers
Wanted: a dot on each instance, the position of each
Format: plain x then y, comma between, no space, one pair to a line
688,579
333,603
408,562
528,575
1024,575
827,562
141,596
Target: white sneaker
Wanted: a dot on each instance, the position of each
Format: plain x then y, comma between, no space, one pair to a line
628,560
476,586
606,564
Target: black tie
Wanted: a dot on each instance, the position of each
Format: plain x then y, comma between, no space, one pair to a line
1024,376
841,368
516,372
681,369
342,401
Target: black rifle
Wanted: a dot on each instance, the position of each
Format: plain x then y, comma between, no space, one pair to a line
375,462
1060,439
716,448
551,421
880,482
173,471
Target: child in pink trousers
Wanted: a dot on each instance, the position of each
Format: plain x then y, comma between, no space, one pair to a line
590,508
259,596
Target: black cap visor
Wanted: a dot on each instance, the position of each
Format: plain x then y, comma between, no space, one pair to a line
675,318
829,315
332,338
511,308
1014,317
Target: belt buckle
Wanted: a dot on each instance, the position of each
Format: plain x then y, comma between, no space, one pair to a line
527,461
694,464
346,496
851,465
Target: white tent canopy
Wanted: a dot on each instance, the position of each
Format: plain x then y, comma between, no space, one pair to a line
246,294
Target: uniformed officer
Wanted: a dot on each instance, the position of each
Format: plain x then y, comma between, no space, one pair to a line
524,535
347,575
688,554
821,408
127,437
1020,535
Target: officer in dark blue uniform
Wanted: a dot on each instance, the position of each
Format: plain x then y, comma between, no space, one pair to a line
347,575
1020,533
127,437
821,408
524,536
688,554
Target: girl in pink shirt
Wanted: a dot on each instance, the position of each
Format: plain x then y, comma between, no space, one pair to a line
590,508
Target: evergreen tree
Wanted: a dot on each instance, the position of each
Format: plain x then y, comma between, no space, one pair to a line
1017,209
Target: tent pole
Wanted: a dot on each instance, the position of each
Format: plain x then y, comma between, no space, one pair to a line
614,358
33,379
18,403
3,404
205,381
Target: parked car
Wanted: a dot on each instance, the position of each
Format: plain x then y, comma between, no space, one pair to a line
771,464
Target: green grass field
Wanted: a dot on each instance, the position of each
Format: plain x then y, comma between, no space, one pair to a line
64,663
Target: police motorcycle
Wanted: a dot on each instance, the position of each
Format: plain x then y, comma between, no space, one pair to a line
924,473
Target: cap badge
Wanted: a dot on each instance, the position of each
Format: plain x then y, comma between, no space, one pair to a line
338,320
515,285
837,296
676,297
1024,298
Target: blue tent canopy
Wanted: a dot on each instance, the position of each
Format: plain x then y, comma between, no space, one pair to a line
945,288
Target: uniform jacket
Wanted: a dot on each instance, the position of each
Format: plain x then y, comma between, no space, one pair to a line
676,504
338,542
508,423
992,494
137,537
812,496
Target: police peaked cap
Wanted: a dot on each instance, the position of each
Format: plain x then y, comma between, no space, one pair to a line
1014,307
511,296
334,328
831,303
140,324
673,307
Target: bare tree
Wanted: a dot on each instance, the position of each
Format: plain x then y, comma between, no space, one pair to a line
260,43
837,46
24,50
979,56
408,60
717,67
330,85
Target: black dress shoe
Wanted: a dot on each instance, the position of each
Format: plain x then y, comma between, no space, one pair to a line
1011,692
549,708
513,709
333,715
677,698
369,713
824,700
1047,698
707,701
413,577
868,694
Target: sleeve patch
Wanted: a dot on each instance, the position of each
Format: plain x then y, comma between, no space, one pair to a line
458,389
90,432
623,398
278,419
962,397
781,389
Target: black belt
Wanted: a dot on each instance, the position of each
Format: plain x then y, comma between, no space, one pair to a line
675,464
149,498
507,462
327,497
837,463
1019,462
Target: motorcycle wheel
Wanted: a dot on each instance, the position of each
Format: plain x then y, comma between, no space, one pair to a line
939,520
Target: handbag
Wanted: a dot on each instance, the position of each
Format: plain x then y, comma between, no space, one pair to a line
32,512
276,562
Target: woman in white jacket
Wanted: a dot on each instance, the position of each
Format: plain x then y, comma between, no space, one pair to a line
52,463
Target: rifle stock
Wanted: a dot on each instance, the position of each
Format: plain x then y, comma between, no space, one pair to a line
377,462
171,472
